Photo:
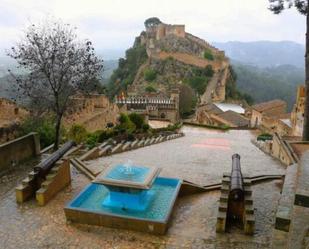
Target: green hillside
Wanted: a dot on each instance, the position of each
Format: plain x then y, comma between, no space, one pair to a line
269,83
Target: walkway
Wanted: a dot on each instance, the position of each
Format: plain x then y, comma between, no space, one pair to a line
201,156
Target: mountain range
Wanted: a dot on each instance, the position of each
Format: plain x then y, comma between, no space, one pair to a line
265,69
264,53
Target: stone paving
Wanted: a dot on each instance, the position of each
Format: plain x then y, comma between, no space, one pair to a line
201,156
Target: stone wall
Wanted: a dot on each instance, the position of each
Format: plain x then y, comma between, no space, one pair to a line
281,151
10,112
18,150
10,117
163,30
188,59
8,132
93,112
297,115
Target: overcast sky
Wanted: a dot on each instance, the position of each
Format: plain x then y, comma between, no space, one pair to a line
113,24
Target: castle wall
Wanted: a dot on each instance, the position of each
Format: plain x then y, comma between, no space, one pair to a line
10,112
163,30
188,59
18,150
177,30
10,117
93,112
297,115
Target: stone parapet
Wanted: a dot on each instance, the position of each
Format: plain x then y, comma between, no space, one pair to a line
44,189
56,180
19,150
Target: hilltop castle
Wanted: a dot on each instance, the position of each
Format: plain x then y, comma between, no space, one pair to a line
162,30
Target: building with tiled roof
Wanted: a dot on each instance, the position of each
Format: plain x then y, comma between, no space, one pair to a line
231,118
273,108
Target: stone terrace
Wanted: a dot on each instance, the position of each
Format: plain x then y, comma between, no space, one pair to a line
201,156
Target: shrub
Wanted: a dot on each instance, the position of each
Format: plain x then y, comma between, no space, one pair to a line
145,127
43,126
77,133
150,75
105,134
198,83
208,71
92,140
126,125
208,55
109,125
131,137
137,119
150,89
264,137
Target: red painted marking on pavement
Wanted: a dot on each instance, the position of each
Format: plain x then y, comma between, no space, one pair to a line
213,143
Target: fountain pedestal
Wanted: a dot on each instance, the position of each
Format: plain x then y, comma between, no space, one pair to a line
129,186
128,198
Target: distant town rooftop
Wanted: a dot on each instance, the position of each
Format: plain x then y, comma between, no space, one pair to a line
234,118
230,107
269,105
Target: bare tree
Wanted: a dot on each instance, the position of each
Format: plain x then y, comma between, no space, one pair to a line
58,67
277,6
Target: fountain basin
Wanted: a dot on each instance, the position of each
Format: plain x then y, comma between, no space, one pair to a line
88,207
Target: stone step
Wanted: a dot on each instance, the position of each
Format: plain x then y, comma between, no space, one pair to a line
249,209
248,200
26,181
224,197
46,183
101,146
126,146
134,144
222,206
55,169
105,150
50,176
117,148
225,188
247,182
141,143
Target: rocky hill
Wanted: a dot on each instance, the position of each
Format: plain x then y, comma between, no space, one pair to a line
165,56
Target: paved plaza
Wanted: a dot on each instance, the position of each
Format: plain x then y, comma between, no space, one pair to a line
201,156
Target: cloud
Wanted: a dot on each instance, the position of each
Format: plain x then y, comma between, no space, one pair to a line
113,24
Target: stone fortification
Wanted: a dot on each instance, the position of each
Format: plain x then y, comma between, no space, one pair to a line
94,112
10,117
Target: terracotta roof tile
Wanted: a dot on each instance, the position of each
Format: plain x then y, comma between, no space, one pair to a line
234,118
262,107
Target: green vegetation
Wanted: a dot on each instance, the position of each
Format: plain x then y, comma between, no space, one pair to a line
269,83
137,119
187,100
198,83
45,127
152,21
150,89
201,77
150,74
129,127
78,133
208,55
170,127
264,137
124,75
92,139
232,92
